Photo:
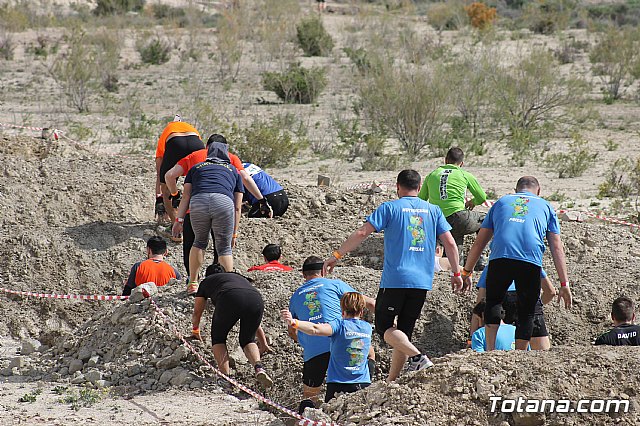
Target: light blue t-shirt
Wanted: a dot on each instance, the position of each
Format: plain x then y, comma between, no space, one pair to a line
482,282
317,301
410,226
265,183
350,345
505,339
520,223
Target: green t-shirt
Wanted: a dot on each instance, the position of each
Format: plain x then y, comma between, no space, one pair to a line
446,187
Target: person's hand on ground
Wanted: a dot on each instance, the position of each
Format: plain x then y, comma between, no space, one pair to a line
264,349
176,231
159,209
469,205
565,295
265,208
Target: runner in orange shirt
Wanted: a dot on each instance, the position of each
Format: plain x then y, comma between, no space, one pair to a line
154,269
178,139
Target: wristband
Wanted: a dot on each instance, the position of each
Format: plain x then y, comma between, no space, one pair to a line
176,194
457,274
179,219
564,284
295,323
196,329
159,195
466,273
337,255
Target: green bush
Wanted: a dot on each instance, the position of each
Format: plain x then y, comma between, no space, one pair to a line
549,16
360,59
6,45
154,50
449,15
575,162
115,7
313,38
369,147
296,85
615,58
265,143
622,180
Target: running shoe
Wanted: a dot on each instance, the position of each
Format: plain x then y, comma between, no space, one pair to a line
192,288
420,364
263,378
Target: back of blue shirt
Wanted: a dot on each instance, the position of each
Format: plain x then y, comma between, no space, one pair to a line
482,282
505,339
350,345
411,226
520,223
266,184
212,178
317,301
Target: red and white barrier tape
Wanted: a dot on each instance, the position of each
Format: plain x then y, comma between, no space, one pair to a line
302,420
15,126
63,296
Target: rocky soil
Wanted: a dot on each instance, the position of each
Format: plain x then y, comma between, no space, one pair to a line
75,222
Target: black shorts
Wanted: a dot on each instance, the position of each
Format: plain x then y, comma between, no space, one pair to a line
244,305
176,149
405,303
278,201
510,306
334,388
315,370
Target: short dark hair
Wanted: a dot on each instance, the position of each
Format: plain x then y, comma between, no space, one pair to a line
479,308
271,252
622,309
313,265
216,138
454,156
214,268
527,182
409,179
157,245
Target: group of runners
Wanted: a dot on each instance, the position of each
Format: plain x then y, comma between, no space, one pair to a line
325,316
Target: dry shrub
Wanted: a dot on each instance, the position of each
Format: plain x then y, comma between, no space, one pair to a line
480,15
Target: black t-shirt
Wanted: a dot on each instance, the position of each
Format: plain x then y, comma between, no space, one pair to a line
216,285
622,335
212,178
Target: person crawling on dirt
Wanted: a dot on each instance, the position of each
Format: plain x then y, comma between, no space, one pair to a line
317,301
540,336
154,269
213,194
624,332
182,167
518,224
235,300
446,187
350,341
178,139
272,191
505,339
271,254
411,227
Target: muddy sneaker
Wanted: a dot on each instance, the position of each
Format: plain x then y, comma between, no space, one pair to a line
419,362
192,288
225,385
263,378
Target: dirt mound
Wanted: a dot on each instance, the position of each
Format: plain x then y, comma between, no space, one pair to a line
75,222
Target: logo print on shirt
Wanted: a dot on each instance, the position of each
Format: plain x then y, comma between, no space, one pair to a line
417,231
356,352
444,177
520,207
312,303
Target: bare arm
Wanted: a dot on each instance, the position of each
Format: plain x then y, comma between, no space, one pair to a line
198,309
371,303
557,254
238,206
306,327
548,291
451,249
353,241
182,209
171,178
250,184
482,239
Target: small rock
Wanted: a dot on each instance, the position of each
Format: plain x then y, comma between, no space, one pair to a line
166,377
139,326
30,346
138,293
84,353
75,366
93,361
93,376
571,216
528,419
168,363
196,384
6,371
18,362
484,390
102,384
78,379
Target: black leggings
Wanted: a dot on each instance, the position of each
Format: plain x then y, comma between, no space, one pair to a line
188,237
334,388
527,277
279,202
244,305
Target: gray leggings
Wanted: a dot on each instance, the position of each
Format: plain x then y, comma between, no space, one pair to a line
212,212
